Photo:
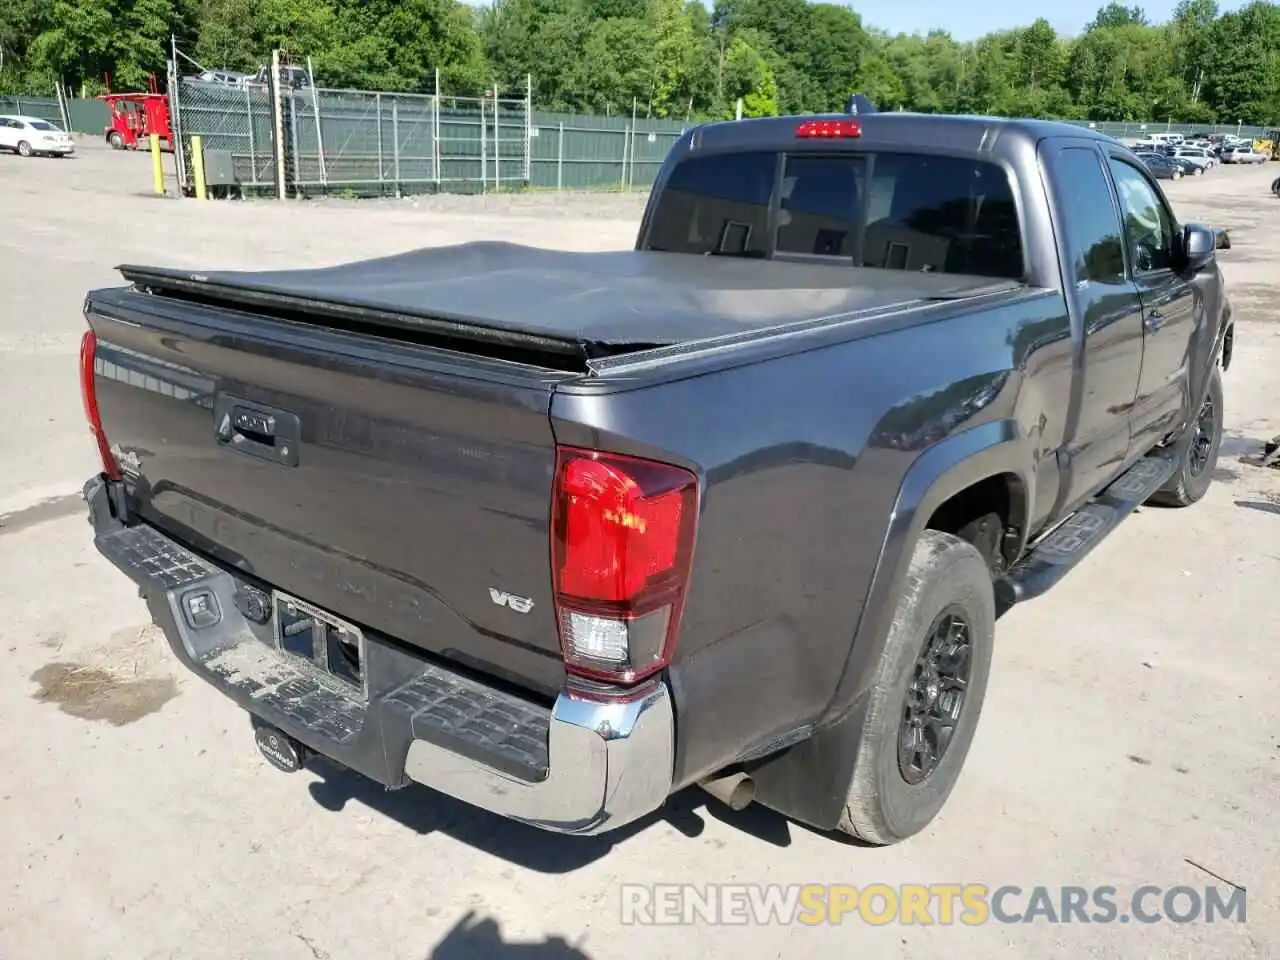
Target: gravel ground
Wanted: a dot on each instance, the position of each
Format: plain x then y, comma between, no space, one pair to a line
1131,733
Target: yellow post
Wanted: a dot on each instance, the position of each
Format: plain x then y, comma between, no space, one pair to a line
157,170
197,168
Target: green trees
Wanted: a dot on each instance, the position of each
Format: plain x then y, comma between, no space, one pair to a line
677,58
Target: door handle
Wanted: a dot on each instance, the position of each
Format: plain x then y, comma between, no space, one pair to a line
1153,322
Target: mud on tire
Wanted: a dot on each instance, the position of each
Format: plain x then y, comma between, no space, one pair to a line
938,646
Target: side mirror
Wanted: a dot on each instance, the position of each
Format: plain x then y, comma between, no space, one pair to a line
1223,239
1198,246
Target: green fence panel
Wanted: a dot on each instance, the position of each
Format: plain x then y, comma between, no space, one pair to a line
88,116
46,108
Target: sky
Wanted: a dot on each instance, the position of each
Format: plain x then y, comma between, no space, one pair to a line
971,20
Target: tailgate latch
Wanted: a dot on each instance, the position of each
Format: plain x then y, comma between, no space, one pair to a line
257,430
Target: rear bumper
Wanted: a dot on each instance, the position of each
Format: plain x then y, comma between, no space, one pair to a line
579,767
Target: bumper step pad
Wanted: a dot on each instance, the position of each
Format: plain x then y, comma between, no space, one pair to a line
409,697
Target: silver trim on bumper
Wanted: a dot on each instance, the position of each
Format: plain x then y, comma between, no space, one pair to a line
610,763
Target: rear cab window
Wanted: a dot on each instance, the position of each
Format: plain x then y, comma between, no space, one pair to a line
890,210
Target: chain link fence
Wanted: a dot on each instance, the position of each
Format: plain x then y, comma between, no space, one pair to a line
368,143
84,116
46,108
1134,130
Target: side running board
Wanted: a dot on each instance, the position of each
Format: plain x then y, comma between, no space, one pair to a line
1053,557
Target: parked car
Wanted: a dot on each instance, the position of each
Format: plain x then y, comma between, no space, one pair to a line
291,78
222,78
1244,154
34,136
1189,167
1197,156
560,534
1161,166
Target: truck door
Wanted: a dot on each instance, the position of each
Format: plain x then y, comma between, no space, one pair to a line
1170,303
1106,320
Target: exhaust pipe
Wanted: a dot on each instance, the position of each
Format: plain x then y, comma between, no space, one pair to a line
734,790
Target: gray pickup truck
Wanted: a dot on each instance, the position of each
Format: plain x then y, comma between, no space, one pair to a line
560,534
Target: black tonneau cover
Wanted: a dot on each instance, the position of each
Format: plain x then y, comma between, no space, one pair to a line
623,299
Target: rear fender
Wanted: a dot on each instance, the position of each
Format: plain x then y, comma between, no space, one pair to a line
937,475
810,781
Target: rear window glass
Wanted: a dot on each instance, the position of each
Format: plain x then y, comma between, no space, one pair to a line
895,211
716,205
41,125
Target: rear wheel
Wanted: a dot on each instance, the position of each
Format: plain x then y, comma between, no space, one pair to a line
1177,174
1198,171
926,695
116,141
1196,452
24,148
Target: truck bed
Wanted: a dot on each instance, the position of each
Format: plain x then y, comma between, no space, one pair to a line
595,304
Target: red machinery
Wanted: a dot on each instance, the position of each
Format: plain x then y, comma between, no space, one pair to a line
135,116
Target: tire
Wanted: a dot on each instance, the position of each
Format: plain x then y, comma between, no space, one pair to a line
1177,174
1275,187
889,799
24,148
1199,171
1196,452
116,141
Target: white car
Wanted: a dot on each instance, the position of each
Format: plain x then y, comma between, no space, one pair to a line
1243,155
223,78
1198,155
29,136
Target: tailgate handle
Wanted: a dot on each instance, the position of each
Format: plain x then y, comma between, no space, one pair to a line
256,430
258,427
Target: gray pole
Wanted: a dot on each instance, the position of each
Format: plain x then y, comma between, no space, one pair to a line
377,106
315,107
435,131
484,151
277,112
253,149
626,136
293,136
560,158
497,118
395,143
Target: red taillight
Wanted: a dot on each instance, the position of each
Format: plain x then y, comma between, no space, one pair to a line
621,549
829,129
89,394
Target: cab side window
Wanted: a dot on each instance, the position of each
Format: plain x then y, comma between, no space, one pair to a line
1092,227
1148,226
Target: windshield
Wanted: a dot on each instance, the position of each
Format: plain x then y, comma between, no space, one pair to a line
41,125
897,211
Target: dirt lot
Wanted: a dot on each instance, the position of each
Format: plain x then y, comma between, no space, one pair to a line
1131,734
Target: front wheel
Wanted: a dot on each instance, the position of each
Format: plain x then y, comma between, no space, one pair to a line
1177,174
1275,187
1196,451
926,695
116,141
1199,171
24,149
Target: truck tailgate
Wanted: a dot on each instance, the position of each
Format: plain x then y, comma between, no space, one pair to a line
404,488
